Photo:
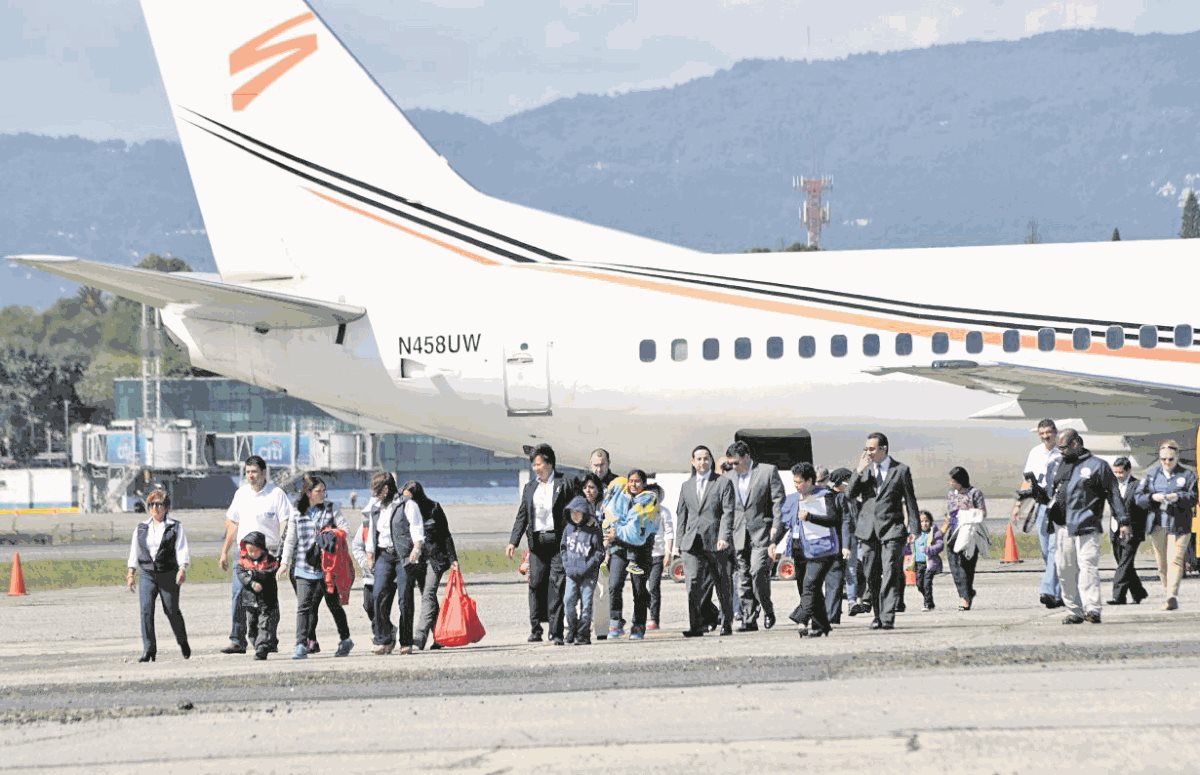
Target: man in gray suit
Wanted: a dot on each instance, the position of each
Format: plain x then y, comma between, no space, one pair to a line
757,515
885,489
704,526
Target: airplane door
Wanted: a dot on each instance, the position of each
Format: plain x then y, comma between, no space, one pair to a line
527,379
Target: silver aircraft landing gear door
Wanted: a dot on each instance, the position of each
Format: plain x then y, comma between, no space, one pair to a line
527,379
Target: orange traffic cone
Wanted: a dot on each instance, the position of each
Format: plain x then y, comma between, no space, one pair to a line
1010,546
16,583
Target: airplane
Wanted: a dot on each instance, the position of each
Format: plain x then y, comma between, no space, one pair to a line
358,271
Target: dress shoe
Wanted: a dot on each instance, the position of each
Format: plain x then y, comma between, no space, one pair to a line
860,608
1092,616
876,624
1049,601
726,631
1171,604
888,626
803,632
1138,600
901,608
1072,619
748,627
693,633
558,641
261,654
534,638
147,657
233,648
186,650
1114,601
768,621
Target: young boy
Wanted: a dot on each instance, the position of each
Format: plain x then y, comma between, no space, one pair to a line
582,550
260,593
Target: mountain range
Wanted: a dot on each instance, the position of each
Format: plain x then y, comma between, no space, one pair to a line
965,144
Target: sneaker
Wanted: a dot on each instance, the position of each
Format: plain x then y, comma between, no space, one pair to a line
1092,616
343,649
636,570
635,635
925,607
583,641
301,652
652,625
1072,619
314,647
233,648
259,654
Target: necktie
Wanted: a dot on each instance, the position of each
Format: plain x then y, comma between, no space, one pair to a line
879,474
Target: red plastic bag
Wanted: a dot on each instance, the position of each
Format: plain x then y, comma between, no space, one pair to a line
457,623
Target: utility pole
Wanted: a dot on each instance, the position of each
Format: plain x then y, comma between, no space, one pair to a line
813,213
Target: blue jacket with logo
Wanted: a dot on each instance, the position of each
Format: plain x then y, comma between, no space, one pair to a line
582,549
1091,484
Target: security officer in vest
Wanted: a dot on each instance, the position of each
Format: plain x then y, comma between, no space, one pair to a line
159,555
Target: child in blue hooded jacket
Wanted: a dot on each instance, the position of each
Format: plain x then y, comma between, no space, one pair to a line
582,551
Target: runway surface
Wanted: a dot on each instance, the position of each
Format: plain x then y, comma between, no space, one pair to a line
1002,688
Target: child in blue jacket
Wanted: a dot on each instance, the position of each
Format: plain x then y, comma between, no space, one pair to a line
582,551
927,553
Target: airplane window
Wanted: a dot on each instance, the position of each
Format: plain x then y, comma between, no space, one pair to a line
1114,338
679,350
941,343
871,345
647,351
808,347
837,345
1148,336
1183,335
903,344
741,348
1012,340
1081,339
712,349
974,342
775,347
1045,339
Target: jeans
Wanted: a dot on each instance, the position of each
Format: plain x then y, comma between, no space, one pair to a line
238,630
925,583
389,577
426,578
1048,543
852,570
577,599
654,587
160,585
308,597
1078,560
619,559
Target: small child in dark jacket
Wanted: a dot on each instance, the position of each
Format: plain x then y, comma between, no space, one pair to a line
260,592
582,551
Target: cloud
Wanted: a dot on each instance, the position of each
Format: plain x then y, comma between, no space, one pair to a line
1062,15
557,35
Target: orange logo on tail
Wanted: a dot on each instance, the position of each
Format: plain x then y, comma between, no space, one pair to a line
255,50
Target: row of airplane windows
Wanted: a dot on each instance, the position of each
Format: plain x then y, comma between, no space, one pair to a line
839,345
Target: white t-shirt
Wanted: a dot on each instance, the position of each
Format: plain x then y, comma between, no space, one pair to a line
154,537
265,511
1039,460
416,526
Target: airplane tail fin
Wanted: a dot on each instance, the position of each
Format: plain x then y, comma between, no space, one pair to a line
273,113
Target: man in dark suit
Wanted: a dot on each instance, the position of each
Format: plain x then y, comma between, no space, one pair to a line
887,520
541,517
704,526
757,515
1125,581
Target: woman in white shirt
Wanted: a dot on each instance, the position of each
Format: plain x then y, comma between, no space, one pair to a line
158,554
391,547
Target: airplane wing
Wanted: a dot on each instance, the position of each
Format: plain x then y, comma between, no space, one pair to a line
202,298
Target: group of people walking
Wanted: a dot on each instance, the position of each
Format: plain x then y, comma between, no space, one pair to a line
851,535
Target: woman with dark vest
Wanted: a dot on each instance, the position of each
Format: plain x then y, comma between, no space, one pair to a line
439,557
395,538
159,555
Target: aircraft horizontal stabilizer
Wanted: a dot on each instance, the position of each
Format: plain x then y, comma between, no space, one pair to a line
201,298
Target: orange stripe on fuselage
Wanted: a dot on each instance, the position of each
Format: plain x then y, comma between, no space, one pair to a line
788,308
380,219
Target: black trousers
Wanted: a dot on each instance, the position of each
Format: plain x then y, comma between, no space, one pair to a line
812,599
835,584
885,575
1125,580
334,603
963,572
547,583
161,586
262,618
369,601
619,560
707,572
654,587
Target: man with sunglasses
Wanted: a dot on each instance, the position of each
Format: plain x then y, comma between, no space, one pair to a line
1168,493
1079,484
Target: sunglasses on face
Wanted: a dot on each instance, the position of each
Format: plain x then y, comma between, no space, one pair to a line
156,505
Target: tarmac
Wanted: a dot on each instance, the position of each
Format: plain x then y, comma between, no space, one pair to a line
1004,687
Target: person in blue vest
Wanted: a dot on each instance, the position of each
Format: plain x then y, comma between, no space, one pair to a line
158,555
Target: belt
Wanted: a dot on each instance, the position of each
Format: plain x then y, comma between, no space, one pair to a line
388,550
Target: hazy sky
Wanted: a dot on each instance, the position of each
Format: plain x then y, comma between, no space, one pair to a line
74,67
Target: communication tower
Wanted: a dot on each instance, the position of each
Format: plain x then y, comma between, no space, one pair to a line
812,212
